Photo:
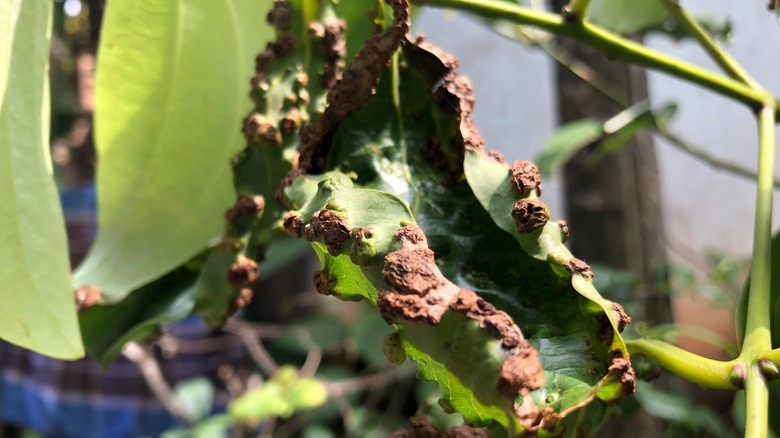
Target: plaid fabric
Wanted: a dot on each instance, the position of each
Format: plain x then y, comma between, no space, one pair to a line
79,398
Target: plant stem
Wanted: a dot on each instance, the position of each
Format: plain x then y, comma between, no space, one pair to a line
611,44
577,9
709,373
720,56
758,338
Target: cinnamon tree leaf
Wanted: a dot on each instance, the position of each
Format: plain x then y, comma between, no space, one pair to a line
37,310
170,94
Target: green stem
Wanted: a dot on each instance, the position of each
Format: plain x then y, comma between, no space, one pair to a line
721,57
773,355
577,9
758,338
610,44
709,373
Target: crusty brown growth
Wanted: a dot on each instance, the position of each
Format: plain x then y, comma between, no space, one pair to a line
245,206
577,266
87,296
279,16
286,182
293,224
533,418
355,88
417,290
285,45
530,215
290,122
420,427
525,176
623,318
565,233
256,129
621,368
496,156
241,300
360,234
328,225
333,48
322,283
412,271
243,272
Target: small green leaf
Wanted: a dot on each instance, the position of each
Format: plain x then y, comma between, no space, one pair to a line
37,310
170,94
196,395
566,141
282,396
626,16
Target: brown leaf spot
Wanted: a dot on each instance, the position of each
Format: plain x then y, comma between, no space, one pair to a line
333,49
323,282
577,266
293,224
355,88
530,215
243,272
623,318
245,206
332,228
496,156
420,427
411,236
241,300
565,233
412,271
87,296
291,122
285,46
286,182
261,62
621,368
279,16
525,176
257,130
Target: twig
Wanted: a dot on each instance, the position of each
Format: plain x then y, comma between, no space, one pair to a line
339,388
151,372
255,348
705,40
314,356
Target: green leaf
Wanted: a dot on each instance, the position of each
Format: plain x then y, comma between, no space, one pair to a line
38,310
282,396
107,328
626,16
196,395
566,141
170,92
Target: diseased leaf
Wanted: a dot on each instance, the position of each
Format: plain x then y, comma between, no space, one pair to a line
626,16
37,310
170,91
416,153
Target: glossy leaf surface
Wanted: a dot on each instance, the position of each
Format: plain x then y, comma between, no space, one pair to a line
170,94
38,310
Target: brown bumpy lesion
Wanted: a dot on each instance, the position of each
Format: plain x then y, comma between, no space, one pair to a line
330,227
530,215
356,87
416,290
525,177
